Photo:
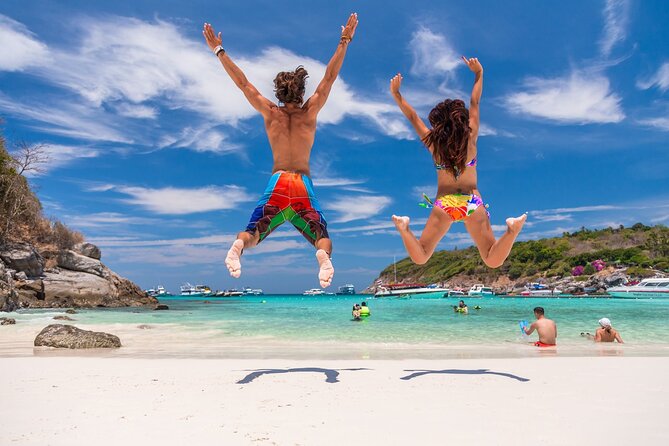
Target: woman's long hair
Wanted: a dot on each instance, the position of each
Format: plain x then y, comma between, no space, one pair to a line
449,136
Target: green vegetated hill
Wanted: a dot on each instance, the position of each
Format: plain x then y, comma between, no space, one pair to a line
642,249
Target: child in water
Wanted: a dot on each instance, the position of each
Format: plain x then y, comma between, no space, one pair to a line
452,142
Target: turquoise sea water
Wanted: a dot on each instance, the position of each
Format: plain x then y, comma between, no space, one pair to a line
263,324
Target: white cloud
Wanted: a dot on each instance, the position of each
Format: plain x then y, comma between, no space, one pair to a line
187,76
660,79
176,201
20,48
60,155
616,16
594,208
68,119
137,111
577,99
202,139
357,207
661,123
432,54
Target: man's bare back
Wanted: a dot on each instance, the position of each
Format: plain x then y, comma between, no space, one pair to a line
546,329
291,130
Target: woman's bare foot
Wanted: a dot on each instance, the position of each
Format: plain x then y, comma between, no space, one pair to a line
514,225
326,271
401,223
232,260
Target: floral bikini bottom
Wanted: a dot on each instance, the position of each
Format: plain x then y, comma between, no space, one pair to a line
458,206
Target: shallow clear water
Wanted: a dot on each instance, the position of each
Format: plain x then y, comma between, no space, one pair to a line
261,324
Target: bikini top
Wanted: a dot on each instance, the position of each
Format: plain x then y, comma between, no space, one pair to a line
457,172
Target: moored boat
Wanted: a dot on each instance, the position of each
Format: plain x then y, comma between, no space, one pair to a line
252,291
195,291
539,289
313,292
647,288
480,290
404,289
346,289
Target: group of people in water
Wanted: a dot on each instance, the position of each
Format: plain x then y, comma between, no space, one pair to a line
546,328
290,124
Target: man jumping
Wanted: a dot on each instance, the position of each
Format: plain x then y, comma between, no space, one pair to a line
291,129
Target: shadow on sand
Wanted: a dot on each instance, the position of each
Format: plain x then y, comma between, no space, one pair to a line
418,373
331,375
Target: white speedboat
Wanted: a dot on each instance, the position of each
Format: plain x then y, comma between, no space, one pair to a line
539,289
313,292
647,288
252,292
480,290
455,292
404,289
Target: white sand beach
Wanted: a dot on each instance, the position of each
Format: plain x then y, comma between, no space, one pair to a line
548,401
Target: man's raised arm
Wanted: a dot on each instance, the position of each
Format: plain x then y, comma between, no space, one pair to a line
320,96
257,101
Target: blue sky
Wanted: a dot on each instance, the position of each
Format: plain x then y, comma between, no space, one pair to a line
157,158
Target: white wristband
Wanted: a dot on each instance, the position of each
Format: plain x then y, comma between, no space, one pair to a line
218,50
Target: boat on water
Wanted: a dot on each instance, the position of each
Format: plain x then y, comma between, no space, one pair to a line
233,292
313,292
480,290
252,291
346,289
539,289
158,291
404,289
195,291
455,292
647,288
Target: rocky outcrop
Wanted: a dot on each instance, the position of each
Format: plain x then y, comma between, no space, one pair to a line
77,262
69,336
7,321
81,290
22,257
78,281
161,307
88,250
62,318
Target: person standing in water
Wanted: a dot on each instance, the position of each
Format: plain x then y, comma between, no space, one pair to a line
452,142
546,329
291,129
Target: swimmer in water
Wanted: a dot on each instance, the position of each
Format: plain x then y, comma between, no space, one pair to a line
605,333
451,140
546,328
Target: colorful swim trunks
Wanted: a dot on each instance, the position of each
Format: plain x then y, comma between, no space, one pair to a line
459,206
289,196
541,344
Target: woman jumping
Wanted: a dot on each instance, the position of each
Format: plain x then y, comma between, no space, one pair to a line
452,143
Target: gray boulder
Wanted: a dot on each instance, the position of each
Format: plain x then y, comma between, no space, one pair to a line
21,276
161,307
7,321
70,311
616,279
69,336
62,318
77,262
88,250
23,257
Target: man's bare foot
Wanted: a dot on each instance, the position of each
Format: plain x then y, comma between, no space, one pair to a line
232,259
326,271
401,223
516,224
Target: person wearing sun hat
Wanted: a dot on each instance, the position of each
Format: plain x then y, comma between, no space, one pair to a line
606,333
